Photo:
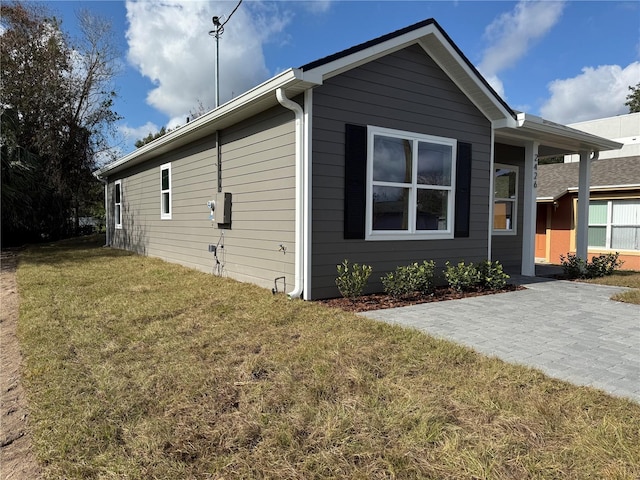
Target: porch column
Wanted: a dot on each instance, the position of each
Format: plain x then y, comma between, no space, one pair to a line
584,181
529,209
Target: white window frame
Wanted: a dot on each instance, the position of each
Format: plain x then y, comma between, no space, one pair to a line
411,233
514,201
117,206
167,191
609,225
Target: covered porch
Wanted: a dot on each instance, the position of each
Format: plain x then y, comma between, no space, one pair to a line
537,138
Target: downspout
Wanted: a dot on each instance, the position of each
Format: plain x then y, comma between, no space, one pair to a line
300,194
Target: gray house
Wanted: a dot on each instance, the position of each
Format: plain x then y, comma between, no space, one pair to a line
389,152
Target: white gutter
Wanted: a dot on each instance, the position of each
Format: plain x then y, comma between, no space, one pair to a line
300,193
208,123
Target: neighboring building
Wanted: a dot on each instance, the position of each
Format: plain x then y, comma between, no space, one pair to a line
614,203
622,128
614,210
386,153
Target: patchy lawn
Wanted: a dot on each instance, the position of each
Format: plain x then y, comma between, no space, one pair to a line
136,368
622,278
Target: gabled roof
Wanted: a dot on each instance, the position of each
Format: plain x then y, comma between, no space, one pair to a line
606,175
428,35
435,41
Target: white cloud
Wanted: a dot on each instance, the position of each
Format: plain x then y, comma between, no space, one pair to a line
169,43
513,33
131,134
595,93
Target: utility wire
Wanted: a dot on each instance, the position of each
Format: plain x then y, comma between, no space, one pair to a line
229,17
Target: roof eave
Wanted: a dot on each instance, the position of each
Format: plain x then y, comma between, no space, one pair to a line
256,99
559,136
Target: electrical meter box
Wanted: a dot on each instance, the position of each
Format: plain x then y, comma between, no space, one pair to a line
223,208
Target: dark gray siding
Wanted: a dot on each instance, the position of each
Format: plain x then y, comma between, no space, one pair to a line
258,169
405,91
507,249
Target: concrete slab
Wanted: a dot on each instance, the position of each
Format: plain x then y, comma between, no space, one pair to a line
568,330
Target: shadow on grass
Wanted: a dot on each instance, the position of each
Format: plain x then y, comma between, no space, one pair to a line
68,251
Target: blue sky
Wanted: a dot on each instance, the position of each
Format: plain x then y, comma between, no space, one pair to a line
567,61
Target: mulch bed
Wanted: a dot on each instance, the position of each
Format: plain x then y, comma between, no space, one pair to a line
377,301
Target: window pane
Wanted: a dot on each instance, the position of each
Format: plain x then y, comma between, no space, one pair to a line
503,216
625,238
391,159
117,185
505,183
390,208
597,237
625,212
431,212
118,216
165,179
434,164
165,202
597,213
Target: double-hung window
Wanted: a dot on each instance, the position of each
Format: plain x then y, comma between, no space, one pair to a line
614,224
410,187
505,200
117,193
165,191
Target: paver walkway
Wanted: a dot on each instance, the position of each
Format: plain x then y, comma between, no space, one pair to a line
569,330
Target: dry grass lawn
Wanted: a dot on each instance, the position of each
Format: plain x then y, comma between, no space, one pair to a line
138,369
622,278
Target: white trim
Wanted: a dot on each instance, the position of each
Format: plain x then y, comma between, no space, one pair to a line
514,211
411,233
249,103
117,215
308,177
166,215
492,162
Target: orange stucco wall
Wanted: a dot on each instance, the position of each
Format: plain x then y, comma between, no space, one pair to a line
559,238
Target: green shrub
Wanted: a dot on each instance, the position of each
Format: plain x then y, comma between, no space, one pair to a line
491,275
406,280
600,266
603,265
573,266
352,279
461,277
485,275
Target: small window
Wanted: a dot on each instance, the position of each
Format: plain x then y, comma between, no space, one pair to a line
410,191
614,224
165,191
117,193
505,198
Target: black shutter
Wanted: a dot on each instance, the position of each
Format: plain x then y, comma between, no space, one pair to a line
463,190
355,181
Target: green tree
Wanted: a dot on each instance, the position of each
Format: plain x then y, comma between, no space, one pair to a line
57,116
633,99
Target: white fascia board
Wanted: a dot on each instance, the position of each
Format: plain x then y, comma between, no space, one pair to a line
207,122
482,96
597,188
348,62
540,126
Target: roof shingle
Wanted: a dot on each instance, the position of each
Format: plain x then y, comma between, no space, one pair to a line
555,180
